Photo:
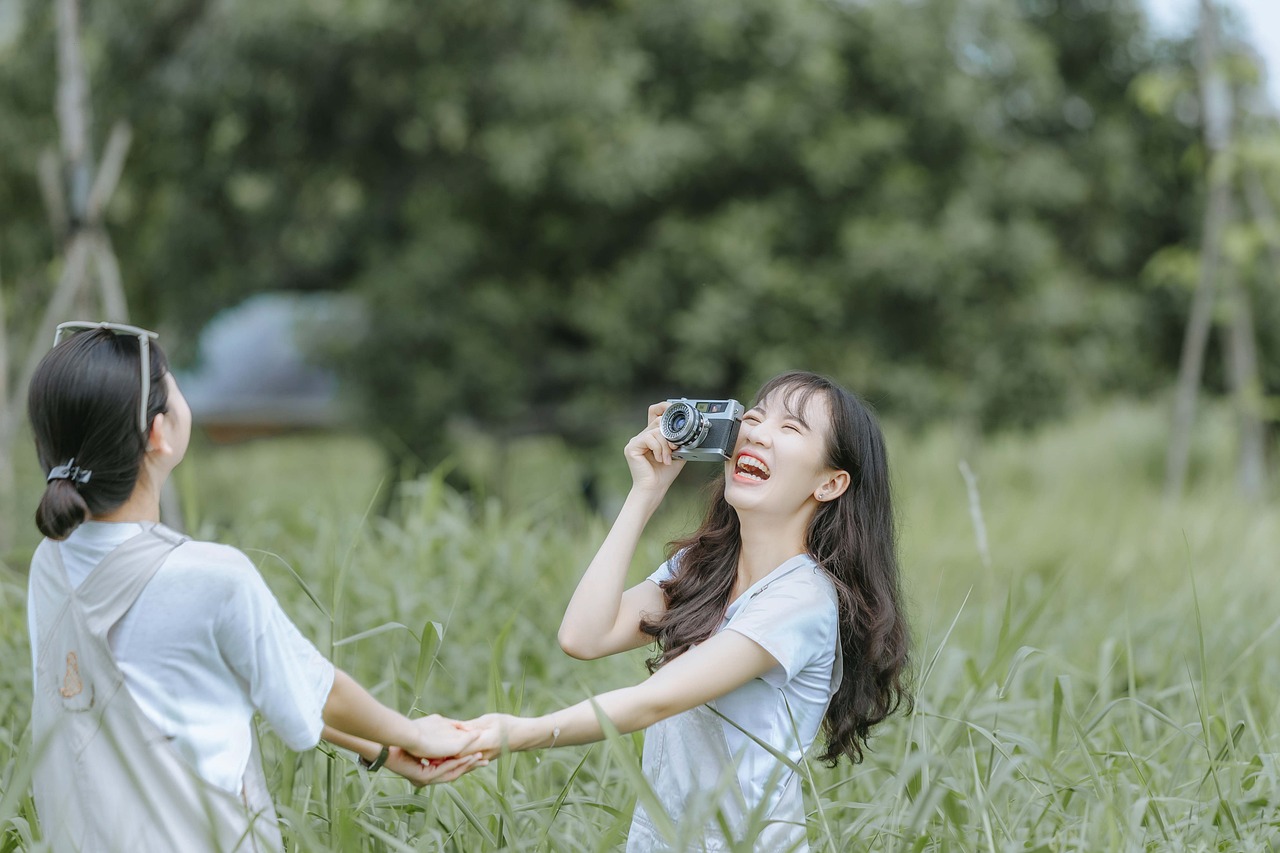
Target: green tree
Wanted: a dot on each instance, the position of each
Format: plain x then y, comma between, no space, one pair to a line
557,209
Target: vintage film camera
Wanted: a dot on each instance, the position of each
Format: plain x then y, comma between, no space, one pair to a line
704,430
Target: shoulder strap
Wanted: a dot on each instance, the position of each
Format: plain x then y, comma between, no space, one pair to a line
115,583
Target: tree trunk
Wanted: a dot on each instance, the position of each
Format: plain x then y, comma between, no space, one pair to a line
1216,100
1241,361
7,428
73,109
1264,216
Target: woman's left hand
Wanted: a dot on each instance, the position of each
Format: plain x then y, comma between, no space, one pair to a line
495,732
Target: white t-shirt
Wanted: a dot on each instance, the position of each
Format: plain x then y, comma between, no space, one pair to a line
792,614
204,647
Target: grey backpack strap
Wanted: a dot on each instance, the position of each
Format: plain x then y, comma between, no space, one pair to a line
115,583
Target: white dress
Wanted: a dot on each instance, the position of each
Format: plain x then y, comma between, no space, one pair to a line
705,760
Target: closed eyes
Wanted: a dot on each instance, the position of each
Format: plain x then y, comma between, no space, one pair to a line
793,423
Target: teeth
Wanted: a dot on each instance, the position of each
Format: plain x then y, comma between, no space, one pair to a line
749,466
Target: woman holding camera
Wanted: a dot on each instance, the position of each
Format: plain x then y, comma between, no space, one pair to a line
781,615
151,652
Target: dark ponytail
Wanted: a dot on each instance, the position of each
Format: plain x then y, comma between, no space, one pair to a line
83,405
61,510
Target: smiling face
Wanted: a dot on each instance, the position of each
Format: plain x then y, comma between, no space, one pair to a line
780,462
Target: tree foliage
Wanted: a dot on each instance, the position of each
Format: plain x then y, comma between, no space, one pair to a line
554,210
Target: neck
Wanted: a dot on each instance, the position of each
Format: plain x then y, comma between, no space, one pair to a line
142,505
768,543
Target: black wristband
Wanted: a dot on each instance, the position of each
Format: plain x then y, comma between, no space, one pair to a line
376,764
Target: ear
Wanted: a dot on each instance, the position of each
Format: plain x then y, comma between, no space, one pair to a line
157,441
833,487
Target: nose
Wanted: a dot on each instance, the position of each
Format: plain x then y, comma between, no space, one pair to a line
758,433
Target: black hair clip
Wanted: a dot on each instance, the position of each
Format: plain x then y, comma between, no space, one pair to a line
71,471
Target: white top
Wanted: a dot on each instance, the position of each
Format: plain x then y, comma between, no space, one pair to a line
792,614
205,646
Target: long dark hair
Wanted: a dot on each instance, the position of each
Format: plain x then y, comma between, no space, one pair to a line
83,404
851,537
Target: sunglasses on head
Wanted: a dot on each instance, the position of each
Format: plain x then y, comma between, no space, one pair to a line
144,336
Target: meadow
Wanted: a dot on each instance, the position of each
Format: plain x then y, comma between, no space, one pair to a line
1094,670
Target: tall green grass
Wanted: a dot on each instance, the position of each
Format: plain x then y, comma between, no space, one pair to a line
1101,680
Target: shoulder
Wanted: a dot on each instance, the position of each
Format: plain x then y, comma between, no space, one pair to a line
808,585
669,569
221,570
43,560
804,594
802,603
794,618
213,558
44,552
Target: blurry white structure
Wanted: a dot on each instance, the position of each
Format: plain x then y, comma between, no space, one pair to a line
257,372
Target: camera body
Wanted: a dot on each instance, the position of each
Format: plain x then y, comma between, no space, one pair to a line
703,430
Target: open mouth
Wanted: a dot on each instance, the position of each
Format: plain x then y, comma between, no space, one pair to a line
751,468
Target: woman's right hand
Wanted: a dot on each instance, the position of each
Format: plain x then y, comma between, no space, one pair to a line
422,771
653,469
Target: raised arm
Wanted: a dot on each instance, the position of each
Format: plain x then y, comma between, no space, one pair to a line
718,666
603,619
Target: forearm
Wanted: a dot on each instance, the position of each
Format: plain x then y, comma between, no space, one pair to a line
352,712
366,749
628,710
592,613
719,665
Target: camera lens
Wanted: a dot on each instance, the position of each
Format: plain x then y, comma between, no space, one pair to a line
682,424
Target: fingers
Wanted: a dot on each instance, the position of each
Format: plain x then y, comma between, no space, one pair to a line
426,771
655,412
651,443
450,769
443,738
491,735
437,719
657,446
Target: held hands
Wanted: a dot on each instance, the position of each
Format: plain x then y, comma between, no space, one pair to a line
649,456
425,771
439,737
444,752
494,732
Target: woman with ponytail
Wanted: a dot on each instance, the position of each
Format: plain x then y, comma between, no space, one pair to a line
151,652
779,617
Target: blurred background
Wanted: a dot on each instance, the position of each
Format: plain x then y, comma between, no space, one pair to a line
479,232
420,266
454,222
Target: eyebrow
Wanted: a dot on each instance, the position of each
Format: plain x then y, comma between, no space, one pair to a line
759,407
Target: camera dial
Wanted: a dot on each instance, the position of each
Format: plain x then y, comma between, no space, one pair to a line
683,425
